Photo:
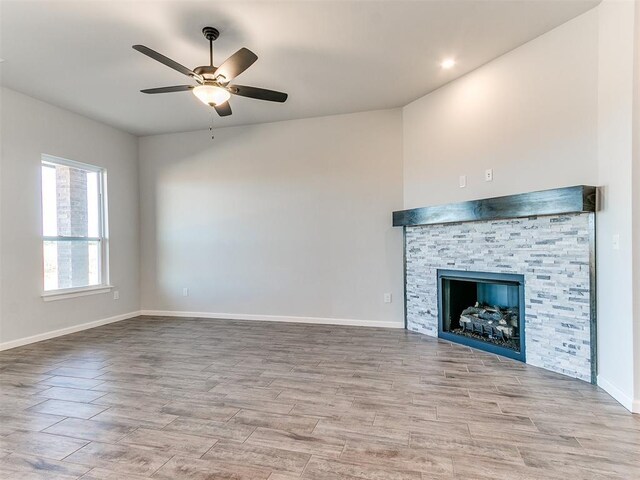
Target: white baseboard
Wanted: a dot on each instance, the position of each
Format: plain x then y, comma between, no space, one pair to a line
631,404
274,318
65,331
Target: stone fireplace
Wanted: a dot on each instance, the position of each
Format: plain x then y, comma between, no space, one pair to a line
511,275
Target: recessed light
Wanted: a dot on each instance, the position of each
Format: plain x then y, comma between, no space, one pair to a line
448,63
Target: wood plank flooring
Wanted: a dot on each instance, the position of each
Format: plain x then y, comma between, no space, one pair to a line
199,399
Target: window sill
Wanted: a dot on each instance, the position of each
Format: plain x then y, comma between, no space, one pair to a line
75,292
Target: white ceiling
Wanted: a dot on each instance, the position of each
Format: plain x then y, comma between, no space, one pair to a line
331,57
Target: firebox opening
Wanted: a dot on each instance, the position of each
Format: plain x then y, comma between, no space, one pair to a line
483,310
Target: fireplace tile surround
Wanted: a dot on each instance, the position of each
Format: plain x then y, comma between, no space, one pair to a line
554,252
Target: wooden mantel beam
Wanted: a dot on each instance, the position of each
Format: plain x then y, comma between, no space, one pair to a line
557,201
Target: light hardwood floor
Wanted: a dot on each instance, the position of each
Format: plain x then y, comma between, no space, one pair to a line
210,399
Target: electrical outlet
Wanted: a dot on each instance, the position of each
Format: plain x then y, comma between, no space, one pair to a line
116,295
615,241
488,175
387,298
462,181
185,292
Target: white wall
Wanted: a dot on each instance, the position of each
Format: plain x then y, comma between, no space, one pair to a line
282,219
30,128
530,115
615,150
553,112
636,203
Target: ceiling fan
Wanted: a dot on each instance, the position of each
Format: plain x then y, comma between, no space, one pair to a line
213,87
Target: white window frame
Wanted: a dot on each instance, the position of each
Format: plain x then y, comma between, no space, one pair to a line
103,237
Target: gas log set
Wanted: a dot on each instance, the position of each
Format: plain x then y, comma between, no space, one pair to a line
495,322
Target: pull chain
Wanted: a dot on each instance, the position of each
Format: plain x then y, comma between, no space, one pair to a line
211,125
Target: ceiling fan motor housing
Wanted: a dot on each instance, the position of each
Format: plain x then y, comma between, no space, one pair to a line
206,71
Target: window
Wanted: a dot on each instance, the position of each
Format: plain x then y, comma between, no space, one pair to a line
73,225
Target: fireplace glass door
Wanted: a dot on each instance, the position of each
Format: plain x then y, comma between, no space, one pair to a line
483,310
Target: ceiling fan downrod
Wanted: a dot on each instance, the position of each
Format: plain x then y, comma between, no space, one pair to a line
211,34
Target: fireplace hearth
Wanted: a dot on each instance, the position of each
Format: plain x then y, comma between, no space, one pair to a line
483,310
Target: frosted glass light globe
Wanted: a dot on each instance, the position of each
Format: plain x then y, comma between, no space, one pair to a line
211,95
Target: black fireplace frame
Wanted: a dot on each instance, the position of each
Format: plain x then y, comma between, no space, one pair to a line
486,277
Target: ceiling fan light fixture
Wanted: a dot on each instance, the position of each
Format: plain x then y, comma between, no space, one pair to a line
211,95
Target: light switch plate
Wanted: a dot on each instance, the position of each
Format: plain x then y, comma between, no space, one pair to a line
462,181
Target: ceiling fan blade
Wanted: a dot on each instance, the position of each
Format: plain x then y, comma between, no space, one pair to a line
166,61
236,64
224,110
259,93
177,88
